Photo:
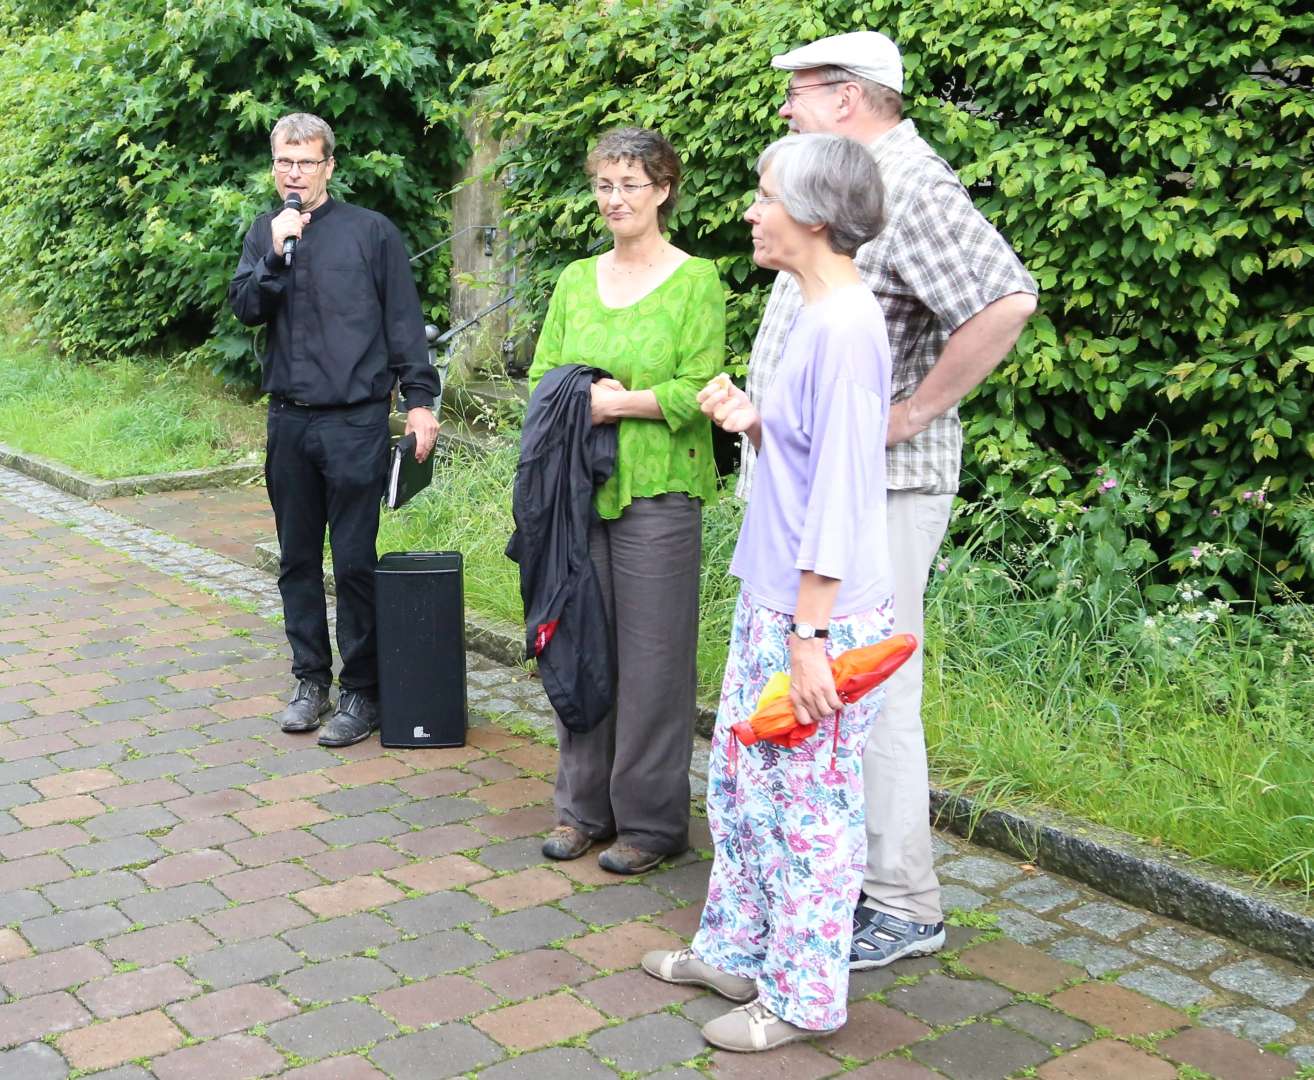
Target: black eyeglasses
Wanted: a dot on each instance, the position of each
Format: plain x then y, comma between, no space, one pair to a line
791,91
308,167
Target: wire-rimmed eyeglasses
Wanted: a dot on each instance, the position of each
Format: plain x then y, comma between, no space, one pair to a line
791,91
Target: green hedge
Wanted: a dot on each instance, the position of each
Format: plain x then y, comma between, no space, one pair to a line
134,149
1151,163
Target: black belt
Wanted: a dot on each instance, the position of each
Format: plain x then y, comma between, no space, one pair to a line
278,399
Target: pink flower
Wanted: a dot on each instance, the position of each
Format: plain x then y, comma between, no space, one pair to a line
830,928
1214,513
1196,552
942,565
1099,471
1109,484
1245,495
798,842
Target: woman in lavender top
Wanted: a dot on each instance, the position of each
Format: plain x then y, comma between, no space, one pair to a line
788,823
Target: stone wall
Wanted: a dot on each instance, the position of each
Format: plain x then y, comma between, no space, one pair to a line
482,269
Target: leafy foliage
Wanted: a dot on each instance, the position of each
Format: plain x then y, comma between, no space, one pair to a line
1150,162
134,149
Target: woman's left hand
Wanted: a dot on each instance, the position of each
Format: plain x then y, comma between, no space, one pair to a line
811,684
604,397
730,409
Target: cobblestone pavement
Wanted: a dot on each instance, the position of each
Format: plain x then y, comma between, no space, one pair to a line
187,892
225,521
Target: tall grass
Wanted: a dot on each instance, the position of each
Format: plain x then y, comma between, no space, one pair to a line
467,508
1182,720
119,418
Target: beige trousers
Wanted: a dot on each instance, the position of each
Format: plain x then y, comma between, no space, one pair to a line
900,878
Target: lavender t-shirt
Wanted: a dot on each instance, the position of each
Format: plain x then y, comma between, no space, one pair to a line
818,499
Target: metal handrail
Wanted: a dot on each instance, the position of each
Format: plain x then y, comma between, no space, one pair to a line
447,335
490,234
437,340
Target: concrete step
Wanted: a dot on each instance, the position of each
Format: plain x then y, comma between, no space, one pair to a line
493,404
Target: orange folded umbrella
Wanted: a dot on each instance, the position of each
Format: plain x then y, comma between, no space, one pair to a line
856,672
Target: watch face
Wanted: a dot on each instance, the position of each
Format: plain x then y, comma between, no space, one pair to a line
805,630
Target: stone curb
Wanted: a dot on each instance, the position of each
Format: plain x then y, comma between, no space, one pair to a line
1277,921
93,489
496,640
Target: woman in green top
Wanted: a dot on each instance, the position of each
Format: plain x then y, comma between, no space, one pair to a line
655,319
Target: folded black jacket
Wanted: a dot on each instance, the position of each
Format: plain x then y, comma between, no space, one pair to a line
563,458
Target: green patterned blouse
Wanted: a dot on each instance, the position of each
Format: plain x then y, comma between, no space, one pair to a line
670,342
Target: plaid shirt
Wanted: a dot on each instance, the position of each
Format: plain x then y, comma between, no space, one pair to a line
936,263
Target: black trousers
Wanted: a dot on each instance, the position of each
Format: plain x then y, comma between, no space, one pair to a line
328,467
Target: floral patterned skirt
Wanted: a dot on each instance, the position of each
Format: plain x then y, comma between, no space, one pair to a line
789,830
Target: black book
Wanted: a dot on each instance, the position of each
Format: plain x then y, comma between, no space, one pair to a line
406,476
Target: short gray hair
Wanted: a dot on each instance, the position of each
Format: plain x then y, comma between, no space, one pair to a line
879,98
303,127
828,180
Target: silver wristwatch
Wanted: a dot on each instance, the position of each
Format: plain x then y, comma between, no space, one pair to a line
806,631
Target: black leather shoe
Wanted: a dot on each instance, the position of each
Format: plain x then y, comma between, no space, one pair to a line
306,710
356,717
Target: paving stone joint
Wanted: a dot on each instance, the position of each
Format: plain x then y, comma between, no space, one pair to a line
221,899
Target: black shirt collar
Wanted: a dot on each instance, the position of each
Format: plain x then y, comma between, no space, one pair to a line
322,209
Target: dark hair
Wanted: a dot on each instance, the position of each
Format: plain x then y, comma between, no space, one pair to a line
650,150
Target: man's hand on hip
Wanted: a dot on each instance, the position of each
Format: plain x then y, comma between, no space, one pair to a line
903,425
969,356
424,426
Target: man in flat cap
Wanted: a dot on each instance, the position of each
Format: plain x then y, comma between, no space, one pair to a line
955,299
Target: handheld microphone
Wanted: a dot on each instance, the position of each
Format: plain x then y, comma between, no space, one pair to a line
292,202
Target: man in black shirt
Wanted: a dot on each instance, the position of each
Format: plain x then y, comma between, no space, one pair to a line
344,326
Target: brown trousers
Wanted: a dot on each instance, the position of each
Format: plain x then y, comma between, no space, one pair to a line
630,774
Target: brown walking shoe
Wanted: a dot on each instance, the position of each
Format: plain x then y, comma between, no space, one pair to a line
623,858
566,842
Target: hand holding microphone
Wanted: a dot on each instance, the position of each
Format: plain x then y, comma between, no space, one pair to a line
287,225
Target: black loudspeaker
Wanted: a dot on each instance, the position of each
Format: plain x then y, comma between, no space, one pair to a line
419,601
